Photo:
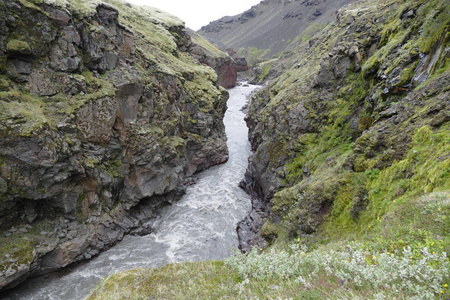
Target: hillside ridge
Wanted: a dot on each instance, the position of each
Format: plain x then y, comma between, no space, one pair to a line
271,26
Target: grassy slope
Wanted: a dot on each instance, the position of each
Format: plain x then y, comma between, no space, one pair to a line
386,233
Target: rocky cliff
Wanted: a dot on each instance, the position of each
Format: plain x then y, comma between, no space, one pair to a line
224,64
358,124
105,111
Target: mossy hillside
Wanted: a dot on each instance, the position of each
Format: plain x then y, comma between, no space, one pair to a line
158,40
312,29
358,199
340,135
156,33
420,34
203,280
268,69
423,170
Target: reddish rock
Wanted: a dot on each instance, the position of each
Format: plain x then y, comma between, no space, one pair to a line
227,73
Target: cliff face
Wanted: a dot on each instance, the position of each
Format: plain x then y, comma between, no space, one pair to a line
225,66
358,123
104,112
272,26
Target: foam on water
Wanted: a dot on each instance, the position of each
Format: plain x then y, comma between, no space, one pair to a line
201,226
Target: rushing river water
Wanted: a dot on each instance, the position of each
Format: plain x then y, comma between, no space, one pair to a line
201,226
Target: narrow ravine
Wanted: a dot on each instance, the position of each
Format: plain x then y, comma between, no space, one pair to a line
201,226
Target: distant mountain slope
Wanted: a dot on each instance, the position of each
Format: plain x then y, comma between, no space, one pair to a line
272,24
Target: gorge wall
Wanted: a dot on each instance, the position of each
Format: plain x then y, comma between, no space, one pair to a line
105,110
358,124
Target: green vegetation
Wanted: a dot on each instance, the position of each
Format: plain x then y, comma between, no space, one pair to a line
399,256
20,111
265,71
344,272
432,22
18,47
18,251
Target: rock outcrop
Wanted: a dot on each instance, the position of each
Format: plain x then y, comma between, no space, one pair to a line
207,54
104,113
359,120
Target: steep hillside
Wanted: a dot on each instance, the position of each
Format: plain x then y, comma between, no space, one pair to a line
352,159
359,124
273,25
105,110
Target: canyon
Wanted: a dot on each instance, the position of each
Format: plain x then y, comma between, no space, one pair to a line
110,114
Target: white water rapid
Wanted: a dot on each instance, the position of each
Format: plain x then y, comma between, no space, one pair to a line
201,226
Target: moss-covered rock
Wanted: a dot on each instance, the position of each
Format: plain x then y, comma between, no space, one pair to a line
18,47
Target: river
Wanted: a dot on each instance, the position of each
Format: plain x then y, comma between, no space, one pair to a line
200,226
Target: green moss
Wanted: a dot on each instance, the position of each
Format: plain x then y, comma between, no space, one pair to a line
273,231
335,137
16,46
407,74
21,111
199,91
90,162
264,73
400,37
18,249
4,87
436,24
309,32
30,5
114,168
3,62
424,170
